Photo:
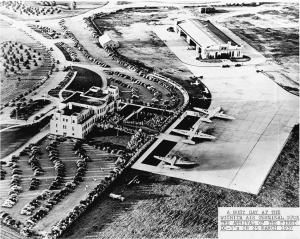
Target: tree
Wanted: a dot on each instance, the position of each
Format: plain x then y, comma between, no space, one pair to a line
57,62
22,59
12,69
21,47
27,67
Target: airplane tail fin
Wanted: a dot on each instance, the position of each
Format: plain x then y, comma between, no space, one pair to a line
188,141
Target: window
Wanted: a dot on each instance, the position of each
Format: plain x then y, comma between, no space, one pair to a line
56,131
56,125
73,134
63,119
73,128
73,121
66,120
56,118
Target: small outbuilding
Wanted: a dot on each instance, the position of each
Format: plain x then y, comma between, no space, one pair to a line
106,41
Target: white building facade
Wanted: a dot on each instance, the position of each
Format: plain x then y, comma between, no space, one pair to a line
208,40
106,41
77,115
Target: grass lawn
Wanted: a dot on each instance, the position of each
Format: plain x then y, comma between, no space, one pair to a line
84,80
12,139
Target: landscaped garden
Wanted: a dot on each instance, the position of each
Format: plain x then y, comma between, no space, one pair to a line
23,69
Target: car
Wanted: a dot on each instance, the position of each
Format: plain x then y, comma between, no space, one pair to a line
225,66
115,196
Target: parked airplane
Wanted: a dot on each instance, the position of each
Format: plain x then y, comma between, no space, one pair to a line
193,133
197,82
217,113
174,162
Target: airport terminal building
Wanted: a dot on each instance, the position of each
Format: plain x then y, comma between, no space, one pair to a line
77,114
208,40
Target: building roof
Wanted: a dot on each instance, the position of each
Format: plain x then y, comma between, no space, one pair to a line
74,111
86,100
204,33
104,39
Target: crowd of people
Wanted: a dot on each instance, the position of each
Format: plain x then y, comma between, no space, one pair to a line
110,120
137,140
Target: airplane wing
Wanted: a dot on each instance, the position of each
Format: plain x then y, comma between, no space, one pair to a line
164,159
201,110
224,116
204,136
181,131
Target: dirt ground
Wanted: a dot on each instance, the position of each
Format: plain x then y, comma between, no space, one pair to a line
273,31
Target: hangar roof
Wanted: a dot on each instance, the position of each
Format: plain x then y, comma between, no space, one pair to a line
205,33
104,39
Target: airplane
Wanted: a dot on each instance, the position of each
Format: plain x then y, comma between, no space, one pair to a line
197,82
174,162
193,134
217,113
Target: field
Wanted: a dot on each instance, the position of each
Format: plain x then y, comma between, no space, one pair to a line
279,42
84,80
166,207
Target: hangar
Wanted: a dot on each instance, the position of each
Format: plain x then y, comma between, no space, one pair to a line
106,41
208,40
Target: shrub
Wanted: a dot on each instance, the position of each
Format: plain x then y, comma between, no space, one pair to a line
57,70
35,64
27,67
